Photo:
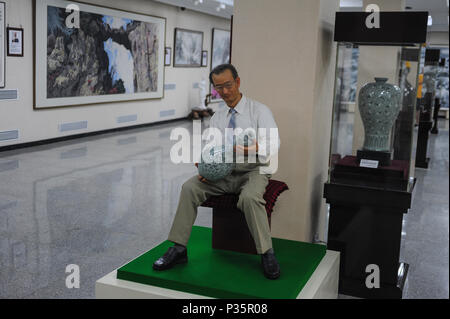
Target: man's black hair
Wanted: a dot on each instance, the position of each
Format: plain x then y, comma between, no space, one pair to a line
222,68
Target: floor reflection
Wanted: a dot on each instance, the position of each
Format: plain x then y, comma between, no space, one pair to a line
96,202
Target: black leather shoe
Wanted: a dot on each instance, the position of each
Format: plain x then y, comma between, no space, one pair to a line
270,265
170,259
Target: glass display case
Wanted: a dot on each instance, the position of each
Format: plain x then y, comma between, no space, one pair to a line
430,74
442,87
373,128
441,100
371,165
427,100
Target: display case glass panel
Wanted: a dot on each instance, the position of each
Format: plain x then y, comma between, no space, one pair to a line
429,85
442,85
374,109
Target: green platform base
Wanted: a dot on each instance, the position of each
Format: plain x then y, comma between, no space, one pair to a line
226,274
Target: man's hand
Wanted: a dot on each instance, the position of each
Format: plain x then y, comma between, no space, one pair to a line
201,178
246,149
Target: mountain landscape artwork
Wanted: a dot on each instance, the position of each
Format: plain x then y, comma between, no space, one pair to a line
108,57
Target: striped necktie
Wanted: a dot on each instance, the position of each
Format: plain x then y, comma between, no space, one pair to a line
232,124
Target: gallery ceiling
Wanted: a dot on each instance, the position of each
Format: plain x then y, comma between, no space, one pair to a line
438,9
220,8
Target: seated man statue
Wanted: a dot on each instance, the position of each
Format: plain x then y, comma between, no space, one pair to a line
247,179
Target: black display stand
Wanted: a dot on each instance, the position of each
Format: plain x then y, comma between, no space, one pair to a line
367,204
425,122
365,225
403,132
437,107
423,133
404,124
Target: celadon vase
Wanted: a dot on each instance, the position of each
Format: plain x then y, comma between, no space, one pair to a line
379,105
213,166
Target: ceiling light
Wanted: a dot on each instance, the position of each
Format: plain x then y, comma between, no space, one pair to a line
222,6
430,20
351,3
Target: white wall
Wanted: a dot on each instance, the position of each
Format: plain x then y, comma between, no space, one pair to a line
35,125
437,38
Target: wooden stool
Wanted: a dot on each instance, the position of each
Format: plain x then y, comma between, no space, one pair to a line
229,227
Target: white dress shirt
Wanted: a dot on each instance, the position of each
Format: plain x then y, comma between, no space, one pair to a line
251,114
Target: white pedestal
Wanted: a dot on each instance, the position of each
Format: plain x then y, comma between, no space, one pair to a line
323,284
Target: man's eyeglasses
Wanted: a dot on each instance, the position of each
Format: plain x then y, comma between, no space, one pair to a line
227,86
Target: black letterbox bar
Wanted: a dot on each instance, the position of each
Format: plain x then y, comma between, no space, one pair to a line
394,28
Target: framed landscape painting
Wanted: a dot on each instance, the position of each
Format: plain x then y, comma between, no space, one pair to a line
188,48
86,54
220,54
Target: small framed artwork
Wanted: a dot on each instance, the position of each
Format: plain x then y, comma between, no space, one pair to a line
188,46
204,58
15,41
167,56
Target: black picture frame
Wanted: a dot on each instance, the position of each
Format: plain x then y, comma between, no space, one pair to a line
18,38
177,45
167,56
204,58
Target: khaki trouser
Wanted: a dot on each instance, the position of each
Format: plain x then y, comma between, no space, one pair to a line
246,181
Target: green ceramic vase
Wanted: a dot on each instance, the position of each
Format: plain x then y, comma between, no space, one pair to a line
213,166
379,105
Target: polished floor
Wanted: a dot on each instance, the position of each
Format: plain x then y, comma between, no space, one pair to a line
425,231
98,202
